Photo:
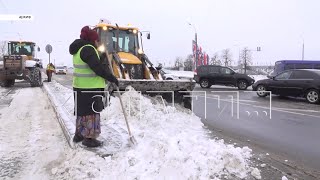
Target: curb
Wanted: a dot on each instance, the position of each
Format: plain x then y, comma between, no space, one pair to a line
61,116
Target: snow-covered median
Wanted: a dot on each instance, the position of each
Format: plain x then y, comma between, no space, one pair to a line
171,144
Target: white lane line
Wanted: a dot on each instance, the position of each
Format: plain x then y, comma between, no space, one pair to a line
302,110
274,109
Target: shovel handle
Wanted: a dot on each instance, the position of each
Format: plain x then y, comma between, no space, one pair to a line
124,111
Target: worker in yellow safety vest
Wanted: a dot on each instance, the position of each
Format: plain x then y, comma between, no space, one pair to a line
50,69
89,81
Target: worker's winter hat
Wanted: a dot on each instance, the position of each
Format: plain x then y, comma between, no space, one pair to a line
88,34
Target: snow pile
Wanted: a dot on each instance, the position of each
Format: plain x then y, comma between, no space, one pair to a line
171,144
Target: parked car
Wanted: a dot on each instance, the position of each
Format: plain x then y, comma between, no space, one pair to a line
208,75
170,75
296,82
60,70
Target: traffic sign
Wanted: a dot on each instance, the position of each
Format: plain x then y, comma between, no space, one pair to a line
48,48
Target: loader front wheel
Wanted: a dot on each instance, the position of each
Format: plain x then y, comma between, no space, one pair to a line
36,78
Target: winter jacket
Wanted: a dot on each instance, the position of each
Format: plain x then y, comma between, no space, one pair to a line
86,98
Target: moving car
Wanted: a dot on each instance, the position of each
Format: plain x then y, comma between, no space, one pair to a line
174,75
298,83
61,70
208,75
167,75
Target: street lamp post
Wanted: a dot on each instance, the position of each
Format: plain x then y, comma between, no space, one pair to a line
303,50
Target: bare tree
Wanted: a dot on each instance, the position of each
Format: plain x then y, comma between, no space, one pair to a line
246,59
3,47
215,60
188,63
226,57
178,63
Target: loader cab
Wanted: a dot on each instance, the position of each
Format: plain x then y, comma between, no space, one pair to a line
22,48
126,39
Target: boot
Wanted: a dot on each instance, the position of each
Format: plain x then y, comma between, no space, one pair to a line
90,142
77,138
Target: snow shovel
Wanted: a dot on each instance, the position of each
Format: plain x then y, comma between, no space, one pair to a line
131,137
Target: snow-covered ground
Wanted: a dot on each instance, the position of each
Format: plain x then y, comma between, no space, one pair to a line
172,144
31,141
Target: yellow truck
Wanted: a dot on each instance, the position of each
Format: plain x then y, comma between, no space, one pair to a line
20,63
124,48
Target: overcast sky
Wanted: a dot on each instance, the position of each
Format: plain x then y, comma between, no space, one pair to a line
277,26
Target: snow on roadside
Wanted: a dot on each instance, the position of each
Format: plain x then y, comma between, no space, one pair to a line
172,144
31,141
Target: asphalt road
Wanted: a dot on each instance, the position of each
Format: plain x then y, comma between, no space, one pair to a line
65,80
290,128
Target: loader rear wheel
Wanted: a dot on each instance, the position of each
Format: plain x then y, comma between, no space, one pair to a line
36,78
7,83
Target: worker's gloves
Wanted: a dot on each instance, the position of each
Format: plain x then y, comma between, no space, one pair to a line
103,56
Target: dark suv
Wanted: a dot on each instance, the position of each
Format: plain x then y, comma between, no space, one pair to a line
209,75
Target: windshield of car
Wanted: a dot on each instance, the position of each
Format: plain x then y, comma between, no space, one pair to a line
17,48
225,70
128,41
60,67
283,76
166,71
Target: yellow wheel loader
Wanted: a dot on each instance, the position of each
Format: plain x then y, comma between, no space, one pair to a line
20,63
124,50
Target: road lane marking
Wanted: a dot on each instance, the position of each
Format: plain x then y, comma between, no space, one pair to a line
302,110
274,109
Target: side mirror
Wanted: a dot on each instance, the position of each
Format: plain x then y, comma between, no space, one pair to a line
148,36
38,49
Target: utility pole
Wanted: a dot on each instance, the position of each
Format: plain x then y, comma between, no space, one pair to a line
245,61
303,50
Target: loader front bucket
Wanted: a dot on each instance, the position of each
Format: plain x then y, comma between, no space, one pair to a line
170,90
